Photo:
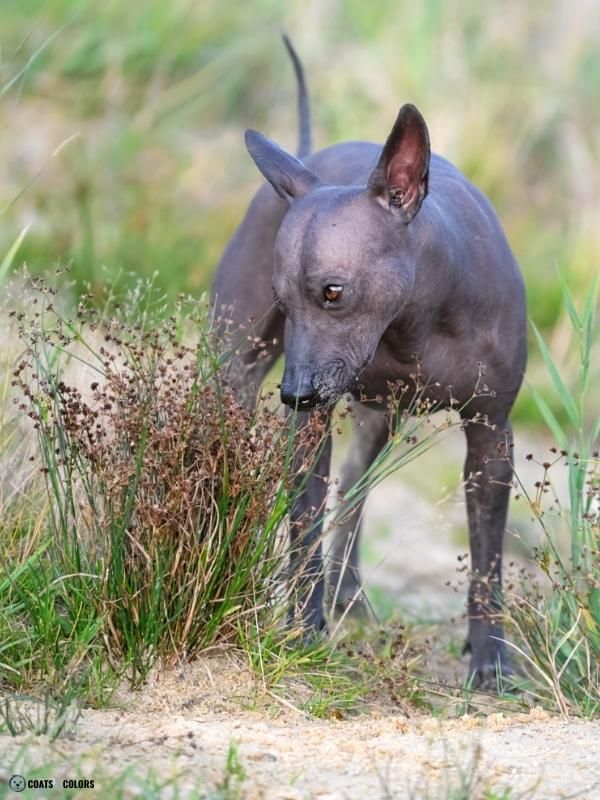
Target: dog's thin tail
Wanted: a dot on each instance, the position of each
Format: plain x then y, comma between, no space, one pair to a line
304,136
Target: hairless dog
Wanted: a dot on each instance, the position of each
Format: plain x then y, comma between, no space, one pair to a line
366,264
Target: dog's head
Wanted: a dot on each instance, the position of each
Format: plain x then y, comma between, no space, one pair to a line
340,274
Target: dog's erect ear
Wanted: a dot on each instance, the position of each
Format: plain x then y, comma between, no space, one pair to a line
401,176
288,176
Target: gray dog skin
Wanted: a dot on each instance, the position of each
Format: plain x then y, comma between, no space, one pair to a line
368,266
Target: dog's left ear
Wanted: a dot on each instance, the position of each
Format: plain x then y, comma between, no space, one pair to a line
401,176
286,174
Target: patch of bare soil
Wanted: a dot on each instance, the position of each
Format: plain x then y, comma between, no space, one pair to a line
184,722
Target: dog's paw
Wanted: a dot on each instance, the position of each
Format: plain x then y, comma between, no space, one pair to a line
351,605
310,626
313,632
492,672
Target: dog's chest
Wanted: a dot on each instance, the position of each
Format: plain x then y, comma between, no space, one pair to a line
440,371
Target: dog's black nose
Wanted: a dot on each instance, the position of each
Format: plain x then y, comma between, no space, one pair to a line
297,387
299,401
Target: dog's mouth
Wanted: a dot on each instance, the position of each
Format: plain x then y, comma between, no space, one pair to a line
310,403
304,404
327,390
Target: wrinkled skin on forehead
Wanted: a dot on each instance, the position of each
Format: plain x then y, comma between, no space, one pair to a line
324,240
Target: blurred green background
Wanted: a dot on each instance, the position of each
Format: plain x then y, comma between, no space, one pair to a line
121,124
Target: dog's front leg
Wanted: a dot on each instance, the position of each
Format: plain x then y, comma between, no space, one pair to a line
306,526
488,475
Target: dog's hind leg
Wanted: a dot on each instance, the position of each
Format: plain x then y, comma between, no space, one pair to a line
371,431
488,475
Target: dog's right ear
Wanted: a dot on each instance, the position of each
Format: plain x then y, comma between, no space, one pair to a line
286,174
401,177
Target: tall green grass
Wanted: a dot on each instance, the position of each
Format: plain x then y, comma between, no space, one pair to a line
164,496
558,631
153,525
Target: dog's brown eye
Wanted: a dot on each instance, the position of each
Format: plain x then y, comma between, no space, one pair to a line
332,292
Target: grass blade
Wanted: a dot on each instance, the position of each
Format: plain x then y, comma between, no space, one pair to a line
10,256
565,396
549,417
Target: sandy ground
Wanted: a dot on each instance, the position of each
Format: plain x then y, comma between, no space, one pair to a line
184,722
